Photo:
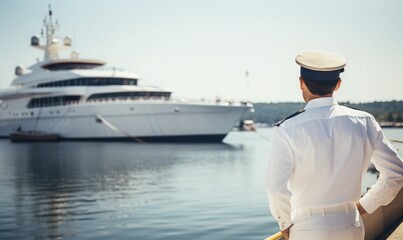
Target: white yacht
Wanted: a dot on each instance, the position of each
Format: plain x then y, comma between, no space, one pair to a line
82,99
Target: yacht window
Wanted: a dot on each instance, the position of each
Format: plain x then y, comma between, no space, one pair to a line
129,95
84,81
53,101
71,66
90,82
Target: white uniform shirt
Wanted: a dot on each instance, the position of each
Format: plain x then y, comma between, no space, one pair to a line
319,157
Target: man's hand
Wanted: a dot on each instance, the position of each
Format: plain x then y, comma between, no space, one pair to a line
286,233
360,209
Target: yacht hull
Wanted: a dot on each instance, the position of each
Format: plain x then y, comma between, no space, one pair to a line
140,122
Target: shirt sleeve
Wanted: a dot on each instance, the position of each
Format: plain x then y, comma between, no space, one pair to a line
278,174
390,166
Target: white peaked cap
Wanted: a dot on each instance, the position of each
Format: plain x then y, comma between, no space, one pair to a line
320,61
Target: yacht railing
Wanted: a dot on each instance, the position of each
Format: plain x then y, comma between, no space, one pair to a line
71,102
164,100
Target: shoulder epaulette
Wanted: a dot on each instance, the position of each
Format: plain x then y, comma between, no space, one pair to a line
351,107
291,116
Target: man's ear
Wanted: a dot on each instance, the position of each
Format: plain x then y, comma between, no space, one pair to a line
301,83
338,85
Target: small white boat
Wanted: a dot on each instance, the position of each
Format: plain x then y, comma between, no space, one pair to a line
33,137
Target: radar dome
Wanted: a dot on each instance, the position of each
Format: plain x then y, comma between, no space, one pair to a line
35,41
19,70
67,41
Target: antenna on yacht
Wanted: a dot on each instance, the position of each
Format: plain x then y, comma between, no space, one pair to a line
52,46
247,85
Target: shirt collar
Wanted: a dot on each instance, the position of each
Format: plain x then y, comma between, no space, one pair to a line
321,102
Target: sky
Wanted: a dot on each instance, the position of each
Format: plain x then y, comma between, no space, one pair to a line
203,48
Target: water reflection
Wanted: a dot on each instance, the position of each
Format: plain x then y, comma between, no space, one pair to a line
57,184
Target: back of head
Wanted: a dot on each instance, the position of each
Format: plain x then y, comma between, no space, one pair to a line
320,70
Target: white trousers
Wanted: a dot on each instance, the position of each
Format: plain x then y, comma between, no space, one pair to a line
328,226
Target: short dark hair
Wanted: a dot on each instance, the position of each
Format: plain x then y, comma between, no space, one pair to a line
321,88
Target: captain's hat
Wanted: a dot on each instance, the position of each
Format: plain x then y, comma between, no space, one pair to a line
320,65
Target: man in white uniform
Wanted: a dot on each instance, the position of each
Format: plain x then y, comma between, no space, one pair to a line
319,156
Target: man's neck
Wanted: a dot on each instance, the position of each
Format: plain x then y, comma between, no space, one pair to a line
312,96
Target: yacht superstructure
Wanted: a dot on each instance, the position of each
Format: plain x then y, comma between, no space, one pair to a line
82,99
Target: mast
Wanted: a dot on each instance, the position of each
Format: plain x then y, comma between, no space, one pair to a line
52,46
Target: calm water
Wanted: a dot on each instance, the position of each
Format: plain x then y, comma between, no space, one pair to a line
91,190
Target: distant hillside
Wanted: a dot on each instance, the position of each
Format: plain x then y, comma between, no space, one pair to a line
271,113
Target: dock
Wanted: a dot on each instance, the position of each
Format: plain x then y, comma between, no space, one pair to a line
397,233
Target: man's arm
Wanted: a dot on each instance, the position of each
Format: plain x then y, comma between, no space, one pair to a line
278,174
388,162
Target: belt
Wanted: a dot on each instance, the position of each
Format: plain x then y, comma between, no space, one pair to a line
345,207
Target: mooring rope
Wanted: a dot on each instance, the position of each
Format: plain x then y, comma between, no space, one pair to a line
114,128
